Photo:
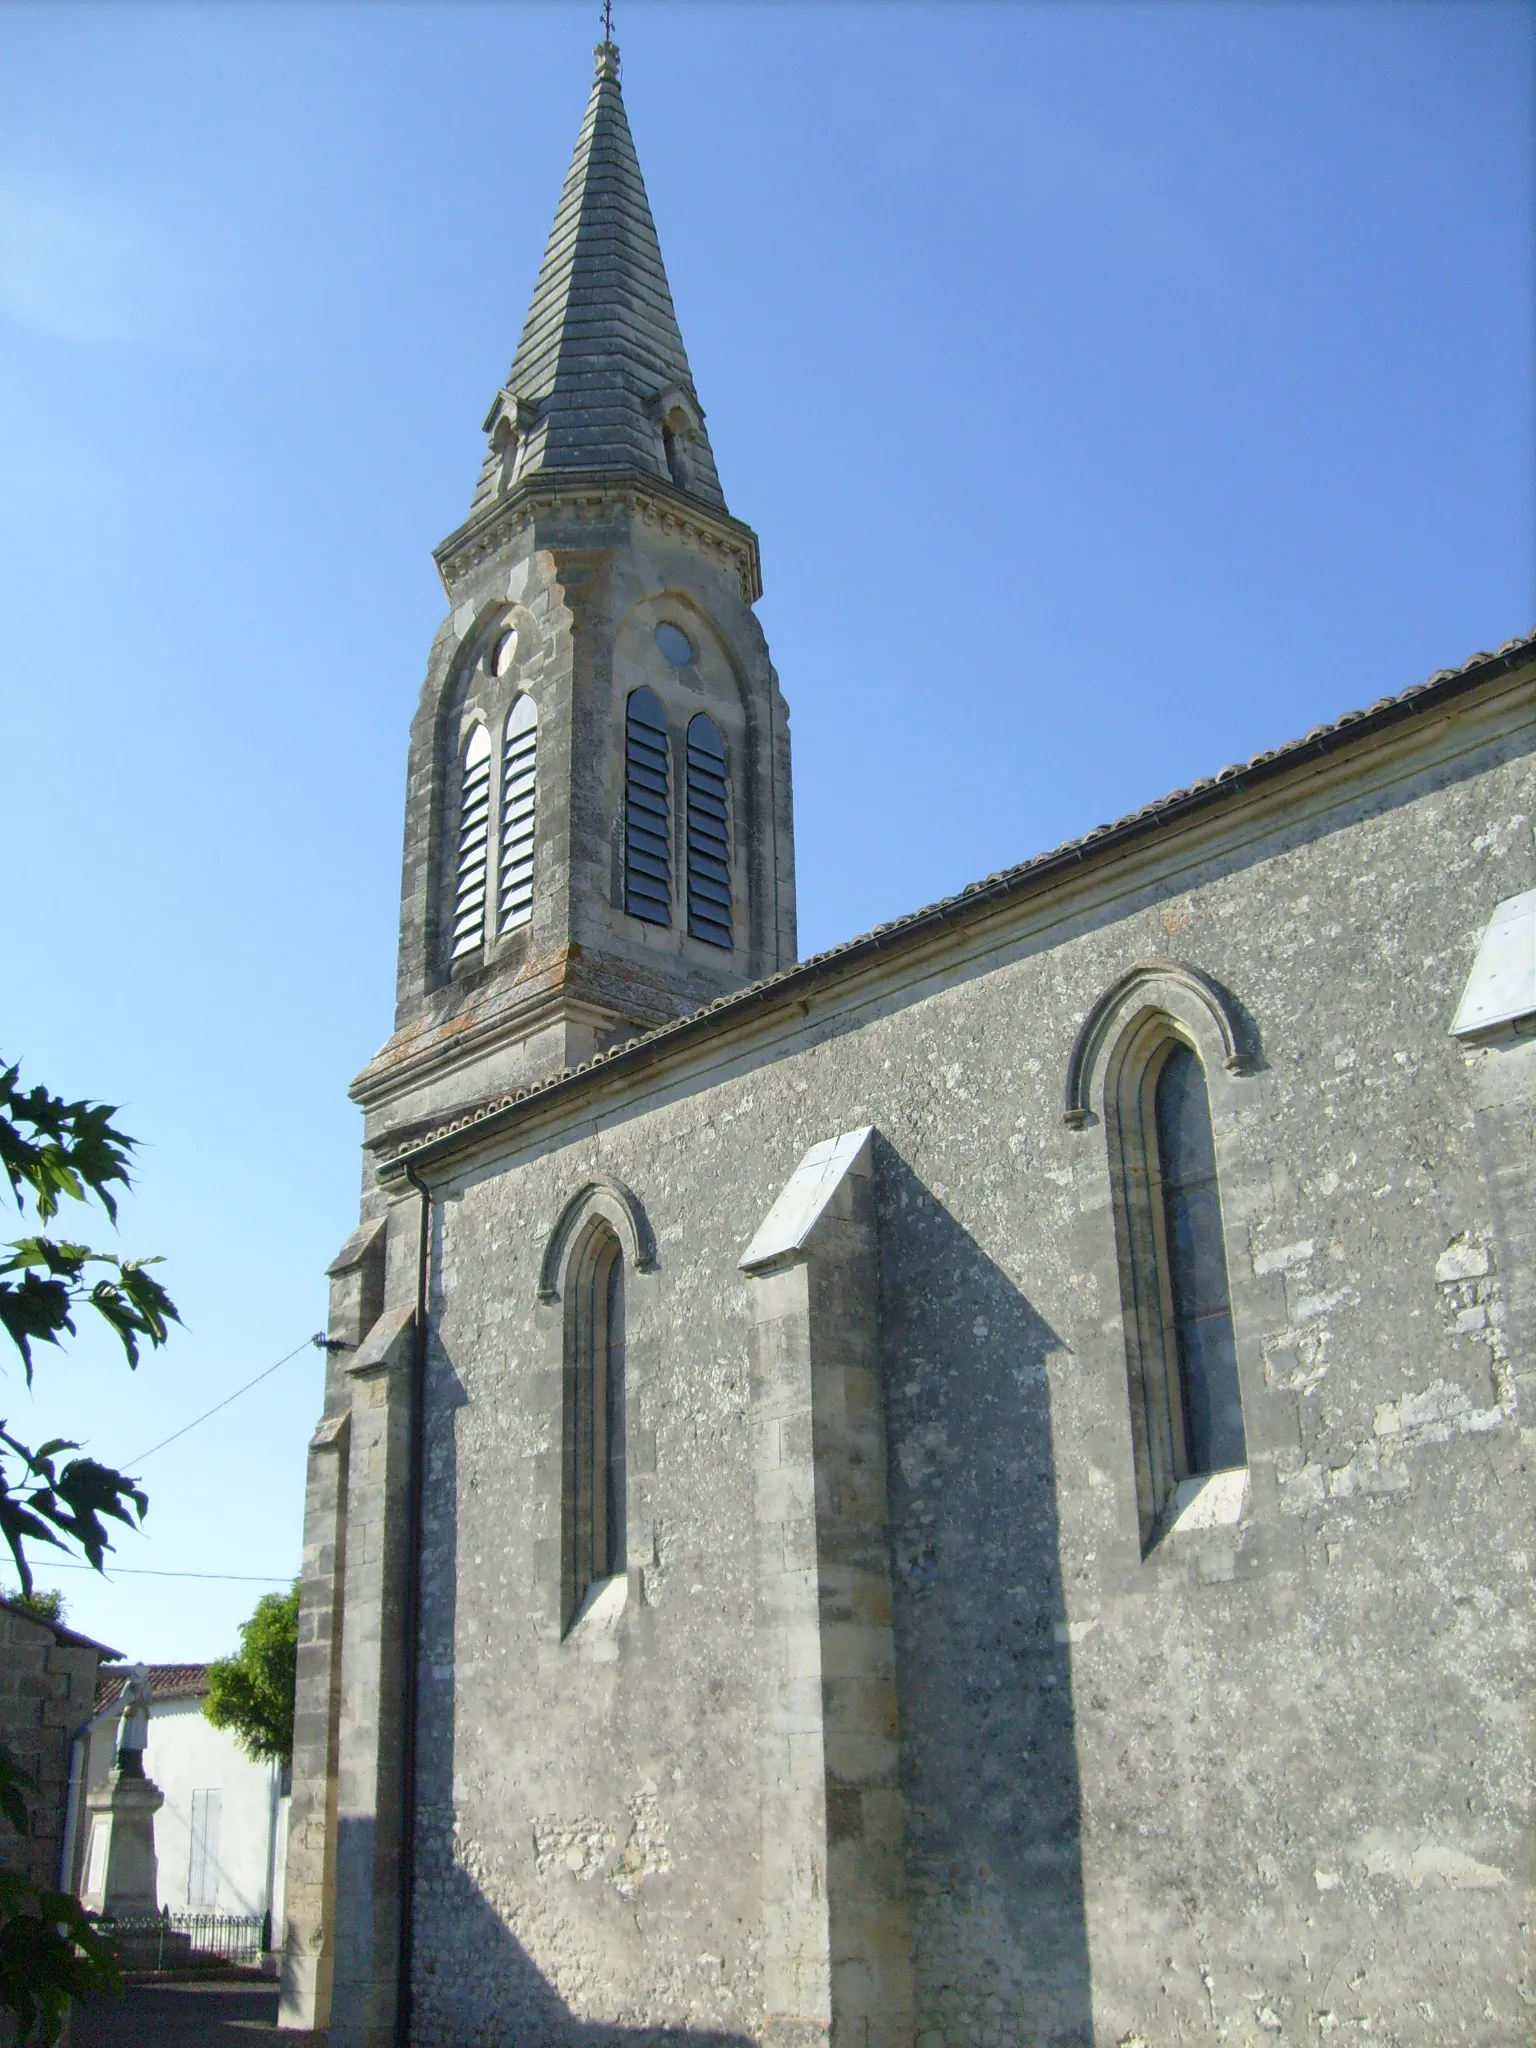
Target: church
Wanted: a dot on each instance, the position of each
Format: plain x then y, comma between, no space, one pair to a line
965,1490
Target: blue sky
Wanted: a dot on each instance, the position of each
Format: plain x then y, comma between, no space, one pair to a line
1116,391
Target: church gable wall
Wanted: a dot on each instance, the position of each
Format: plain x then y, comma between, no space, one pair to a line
1264,1778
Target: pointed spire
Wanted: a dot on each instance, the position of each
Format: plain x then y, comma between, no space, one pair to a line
601,378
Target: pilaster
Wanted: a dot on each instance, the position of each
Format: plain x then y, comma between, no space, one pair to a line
369,1776
835,1924
357,1287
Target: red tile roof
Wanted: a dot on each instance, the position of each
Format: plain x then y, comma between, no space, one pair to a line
167,1682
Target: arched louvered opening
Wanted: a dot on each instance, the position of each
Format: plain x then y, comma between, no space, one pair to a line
519,773
709,836
647,810
474,826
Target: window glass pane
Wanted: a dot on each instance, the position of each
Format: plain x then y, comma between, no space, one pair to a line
1213,1408
615,1433
1197,1268
595,1507
674,643
1184,1119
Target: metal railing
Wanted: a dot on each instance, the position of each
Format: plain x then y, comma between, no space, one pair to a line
177,1941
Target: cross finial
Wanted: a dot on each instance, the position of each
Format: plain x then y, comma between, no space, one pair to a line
607,21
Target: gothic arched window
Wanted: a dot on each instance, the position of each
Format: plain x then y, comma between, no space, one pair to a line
709,837
1153,1054
474,826
594,1406
505,443
1206,1405
647,810
519,773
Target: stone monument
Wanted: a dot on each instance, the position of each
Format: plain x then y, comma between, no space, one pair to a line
121,1874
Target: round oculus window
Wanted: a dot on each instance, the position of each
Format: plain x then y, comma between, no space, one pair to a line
506,651
674,643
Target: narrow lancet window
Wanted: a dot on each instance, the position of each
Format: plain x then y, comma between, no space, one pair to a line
647,810
474,825
709,836
595,1489
519,771
1197,1306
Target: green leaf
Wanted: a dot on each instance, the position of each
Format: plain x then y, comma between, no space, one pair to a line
50,1955
62,1504
34,1310
15,1783
51,1148
252,1692
132,1303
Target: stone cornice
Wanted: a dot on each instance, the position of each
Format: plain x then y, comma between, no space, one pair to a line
430,1051
598,496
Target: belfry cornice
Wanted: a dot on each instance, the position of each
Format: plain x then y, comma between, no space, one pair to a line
597,497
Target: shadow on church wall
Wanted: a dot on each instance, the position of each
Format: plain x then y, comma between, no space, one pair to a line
1000,1947
989,1760
476,1986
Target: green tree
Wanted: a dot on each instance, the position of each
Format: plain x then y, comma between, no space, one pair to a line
252,1692
51,1151
50,1953
47,1606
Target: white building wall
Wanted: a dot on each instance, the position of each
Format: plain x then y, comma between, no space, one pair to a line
186,1755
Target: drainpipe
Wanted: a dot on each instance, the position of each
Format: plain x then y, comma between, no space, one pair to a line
274,1805
79,1762
412,1622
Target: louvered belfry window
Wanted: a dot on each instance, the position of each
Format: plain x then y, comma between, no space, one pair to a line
519,769
474,825
709,836
647,810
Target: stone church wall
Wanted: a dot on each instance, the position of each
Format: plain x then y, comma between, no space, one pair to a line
1268,1782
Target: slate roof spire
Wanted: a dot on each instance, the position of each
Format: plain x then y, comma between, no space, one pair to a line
601,378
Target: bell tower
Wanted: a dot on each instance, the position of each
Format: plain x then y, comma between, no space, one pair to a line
599,833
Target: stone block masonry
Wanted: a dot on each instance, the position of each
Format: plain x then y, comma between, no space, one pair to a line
836,1943
1273,1764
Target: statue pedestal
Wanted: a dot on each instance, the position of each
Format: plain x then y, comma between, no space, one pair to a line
120,1873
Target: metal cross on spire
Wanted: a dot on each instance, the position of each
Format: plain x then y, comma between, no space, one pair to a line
607,21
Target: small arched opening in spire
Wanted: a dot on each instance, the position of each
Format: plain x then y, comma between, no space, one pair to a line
505,443
507,423
679,423
674,441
